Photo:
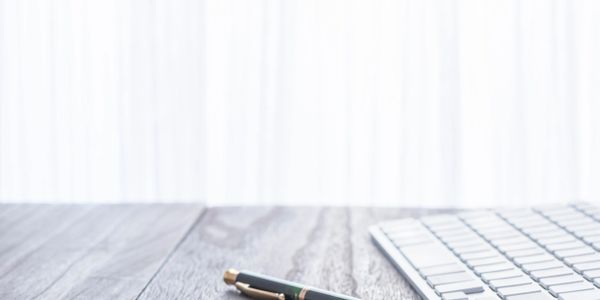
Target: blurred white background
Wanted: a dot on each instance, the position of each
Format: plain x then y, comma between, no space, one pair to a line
385,102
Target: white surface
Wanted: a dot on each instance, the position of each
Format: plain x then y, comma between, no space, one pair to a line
385,102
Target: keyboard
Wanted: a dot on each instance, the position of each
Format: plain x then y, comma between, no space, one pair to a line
514,254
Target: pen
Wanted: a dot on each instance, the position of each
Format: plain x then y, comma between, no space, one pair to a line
264,287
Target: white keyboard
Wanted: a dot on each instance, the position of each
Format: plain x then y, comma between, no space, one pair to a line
529,254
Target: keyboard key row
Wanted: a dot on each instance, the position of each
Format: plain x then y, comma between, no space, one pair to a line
547,282
545,268
494,268
551,273
523,252
518,254
577,223
440,268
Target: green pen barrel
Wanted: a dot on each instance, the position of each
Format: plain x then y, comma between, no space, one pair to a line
317,294
291,290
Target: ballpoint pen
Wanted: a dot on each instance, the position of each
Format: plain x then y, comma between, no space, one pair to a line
259,286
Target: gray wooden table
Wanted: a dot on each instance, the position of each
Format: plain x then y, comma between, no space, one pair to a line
180,251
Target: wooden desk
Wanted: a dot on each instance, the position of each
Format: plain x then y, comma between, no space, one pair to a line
180,251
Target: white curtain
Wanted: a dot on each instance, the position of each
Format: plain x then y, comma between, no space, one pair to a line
385,102
101,100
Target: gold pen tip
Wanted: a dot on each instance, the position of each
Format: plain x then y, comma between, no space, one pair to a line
230,276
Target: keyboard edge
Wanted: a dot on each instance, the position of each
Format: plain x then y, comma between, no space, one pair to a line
401,264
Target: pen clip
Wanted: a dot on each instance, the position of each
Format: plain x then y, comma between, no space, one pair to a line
258,294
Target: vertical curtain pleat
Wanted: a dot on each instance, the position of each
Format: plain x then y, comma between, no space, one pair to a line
411,102
101,100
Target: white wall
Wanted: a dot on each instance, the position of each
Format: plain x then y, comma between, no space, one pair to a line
412,102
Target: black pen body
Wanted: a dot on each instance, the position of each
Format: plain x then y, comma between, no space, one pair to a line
291,290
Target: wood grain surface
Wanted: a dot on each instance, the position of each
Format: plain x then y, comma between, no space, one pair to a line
328,248
86,252
181,251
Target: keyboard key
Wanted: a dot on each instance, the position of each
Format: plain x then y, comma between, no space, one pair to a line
460,237
530,223
487,277
474,215
545,232
589,232
590,239
554,233
448,228
550,228
550,281
554,209
541,266
486,261
570,214
574,252
581,295
485,298
532,296
484,220
518,290
570,287
514,212
455,296
448,278
537,275
421,256
566,238
525,252
493,268
408,232
575,229
580,221
475,243
478,255
564,246
403,242
498,227
586,266
502,235
513,247
470,248
510,241
582,259
585,207
440,270
501,283
525,218
467,287
448,233
547,226
533,259
591,274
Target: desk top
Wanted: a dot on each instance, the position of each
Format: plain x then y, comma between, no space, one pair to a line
180,251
